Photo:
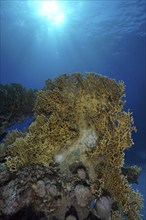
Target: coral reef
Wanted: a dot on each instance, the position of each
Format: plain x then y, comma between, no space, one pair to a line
82,127
16,103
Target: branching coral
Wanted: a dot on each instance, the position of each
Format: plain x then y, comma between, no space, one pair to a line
69,107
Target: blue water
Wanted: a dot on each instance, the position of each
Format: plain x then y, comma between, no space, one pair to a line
107,37
21,125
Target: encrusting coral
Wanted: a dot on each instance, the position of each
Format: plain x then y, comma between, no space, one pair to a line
69,109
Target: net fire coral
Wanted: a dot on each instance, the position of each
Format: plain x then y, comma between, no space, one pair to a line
67,110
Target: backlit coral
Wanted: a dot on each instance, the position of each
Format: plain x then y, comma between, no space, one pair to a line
81,118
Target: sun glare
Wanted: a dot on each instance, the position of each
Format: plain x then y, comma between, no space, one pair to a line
52,10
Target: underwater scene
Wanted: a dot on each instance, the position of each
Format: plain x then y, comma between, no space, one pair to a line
72,110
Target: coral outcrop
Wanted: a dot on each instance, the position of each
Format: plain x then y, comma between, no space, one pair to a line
15,103
81,122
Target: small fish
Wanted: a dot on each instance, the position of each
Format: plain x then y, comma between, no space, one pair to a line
92,203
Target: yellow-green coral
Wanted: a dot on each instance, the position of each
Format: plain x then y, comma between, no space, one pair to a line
70,105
